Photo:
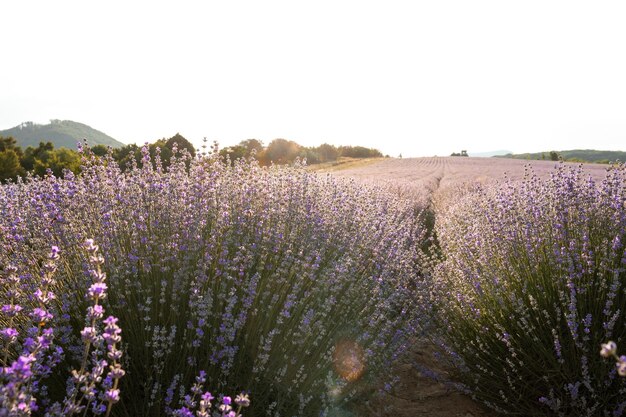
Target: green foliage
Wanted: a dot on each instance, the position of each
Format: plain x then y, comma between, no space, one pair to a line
31,155
10,156
327,153
9,143
359,152
181,143
99,150
281,151
127,156
252,146
575,155
233,152
9,165
165,153
245,149
36,160
310,156
57,161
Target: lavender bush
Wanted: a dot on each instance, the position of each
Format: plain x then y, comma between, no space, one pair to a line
295,287
533,281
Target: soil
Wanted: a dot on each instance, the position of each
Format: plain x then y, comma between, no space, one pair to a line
416,394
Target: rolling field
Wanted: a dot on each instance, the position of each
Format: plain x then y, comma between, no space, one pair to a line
431,173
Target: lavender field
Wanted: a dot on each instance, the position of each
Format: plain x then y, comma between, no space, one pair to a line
425,175
213,288
528,281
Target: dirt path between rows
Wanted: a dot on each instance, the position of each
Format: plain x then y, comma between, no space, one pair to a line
419,395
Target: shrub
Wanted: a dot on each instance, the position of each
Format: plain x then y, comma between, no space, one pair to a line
533,281
295,287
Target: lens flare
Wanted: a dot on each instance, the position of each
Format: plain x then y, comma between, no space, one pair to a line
349,360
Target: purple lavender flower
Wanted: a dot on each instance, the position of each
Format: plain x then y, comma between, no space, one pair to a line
54,253
112,330
621,365
97,290
40,315
9,334
11,310
44,297
89,334
20,369
112,395
242,400
95,312
547,257
90,246
113,353
110,322
207,397
608,349
227,248
183,412
45,340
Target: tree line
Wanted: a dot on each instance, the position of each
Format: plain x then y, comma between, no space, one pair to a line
283,151
17,162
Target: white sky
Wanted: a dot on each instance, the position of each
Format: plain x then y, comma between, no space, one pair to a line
419,78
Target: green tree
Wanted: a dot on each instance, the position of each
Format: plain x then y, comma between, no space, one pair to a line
125,156
41,153
311,155
66,159
554,156
252,146
245,149
281,151
327,153
233,152
359,152
181,143
10,167
57,161
99,150
9,143
165,153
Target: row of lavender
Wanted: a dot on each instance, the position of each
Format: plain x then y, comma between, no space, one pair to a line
531,282
297,288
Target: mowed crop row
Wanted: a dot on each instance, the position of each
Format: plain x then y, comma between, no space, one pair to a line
528,278
150,291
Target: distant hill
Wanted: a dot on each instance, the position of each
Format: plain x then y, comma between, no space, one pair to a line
62,133
575,155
